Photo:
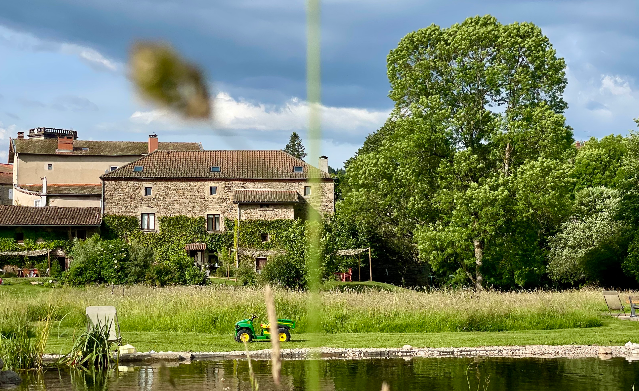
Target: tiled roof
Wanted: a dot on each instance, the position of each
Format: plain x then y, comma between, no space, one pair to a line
64,189
92,148
49,215
232,165
6,174
265,196
195,247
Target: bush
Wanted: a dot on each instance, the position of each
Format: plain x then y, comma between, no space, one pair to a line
195,276
159,274
246,273
140,260
283,271
97,260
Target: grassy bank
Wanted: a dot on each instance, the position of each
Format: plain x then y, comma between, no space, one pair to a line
613,332
215,309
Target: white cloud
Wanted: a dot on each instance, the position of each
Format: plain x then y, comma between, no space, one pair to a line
6,132
615,85
92,57
25,41
234,114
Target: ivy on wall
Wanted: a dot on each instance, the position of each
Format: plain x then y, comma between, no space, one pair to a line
34,239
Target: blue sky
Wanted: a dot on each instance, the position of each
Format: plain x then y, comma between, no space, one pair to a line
63,64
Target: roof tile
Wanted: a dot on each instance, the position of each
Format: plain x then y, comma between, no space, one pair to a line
254,164
103,148
49,215
52,189
265,196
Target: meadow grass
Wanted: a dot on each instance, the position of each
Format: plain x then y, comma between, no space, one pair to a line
215,309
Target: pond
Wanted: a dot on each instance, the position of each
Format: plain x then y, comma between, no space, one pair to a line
431,374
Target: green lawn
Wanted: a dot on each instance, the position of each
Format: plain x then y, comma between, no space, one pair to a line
354,315
614,332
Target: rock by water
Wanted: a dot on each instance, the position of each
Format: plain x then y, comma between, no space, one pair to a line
9,378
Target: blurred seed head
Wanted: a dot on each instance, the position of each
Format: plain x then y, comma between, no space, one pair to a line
164,78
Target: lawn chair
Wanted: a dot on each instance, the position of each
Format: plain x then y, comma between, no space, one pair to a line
614,302
104,315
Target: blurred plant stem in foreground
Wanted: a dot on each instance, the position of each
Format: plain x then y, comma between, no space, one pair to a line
313,90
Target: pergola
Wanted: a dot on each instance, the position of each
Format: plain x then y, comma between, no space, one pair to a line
357,251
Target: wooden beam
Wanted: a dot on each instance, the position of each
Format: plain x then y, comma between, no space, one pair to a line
370,265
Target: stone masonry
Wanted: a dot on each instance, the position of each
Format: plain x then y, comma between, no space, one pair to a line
191,197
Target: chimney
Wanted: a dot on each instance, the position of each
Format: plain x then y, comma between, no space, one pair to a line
43,196
20,135
153,143
65,144
323,163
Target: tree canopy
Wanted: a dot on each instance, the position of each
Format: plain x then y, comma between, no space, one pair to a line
470,170
295,146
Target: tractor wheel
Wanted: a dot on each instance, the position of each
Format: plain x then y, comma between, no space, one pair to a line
244,336
284,335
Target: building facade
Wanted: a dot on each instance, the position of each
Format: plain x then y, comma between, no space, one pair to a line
52,167
218,185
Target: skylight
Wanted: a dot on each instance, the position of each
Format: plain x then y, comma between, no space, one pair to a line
215,168
137,168
298,169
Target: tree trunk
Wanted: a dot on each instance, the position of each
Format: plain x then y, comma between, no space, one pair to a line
507,159
479,254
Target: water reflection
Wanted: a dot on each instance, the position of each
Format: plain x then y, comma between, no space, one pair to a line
357,375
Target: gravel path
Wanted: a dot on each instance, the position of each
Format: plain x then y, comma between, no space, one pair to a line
629,351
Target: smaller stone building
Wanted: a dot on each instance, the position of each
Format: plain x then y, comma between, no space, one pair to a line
47,223
218,185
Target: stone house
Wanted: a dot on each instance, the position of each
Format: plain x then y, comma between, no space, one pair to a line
52,167
49,222
217,185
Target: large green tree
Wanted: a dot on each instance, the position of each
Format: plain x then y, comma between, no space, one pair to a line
478,122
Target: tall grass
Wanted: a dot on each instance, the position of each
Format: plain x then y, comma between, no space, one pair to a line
216,309
22,344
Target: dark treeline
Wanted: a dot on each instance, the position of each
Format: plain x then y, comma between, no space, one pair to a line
475,179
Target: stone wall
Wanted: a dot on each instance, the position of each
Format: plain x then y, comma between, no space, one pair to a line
4,194
193,199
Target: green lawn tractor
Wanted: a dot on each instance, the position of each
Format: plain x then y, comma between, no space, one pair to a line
245,332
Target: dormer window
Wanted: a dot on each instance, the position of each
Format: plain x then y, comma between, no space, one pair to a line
137,168
113,168
298,169
215,169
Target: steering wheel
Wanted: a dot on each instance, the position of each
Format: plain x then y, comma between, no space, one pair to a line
253,317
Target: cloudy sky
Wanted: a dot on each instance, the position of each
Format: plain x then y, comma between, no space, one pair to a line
62,64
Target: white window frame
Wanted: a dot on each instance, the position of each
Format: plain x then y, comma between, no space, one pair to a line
306,194
217,222
49,166
10,194
147,221
150,191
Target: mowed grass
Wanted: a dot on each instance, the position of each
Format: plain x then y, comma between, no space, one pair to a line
203,318
613,332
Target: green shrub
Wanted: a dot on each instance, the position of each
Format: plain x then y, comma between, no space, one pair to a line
159,274
98,260
140,260
195,276
285,272
246,274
